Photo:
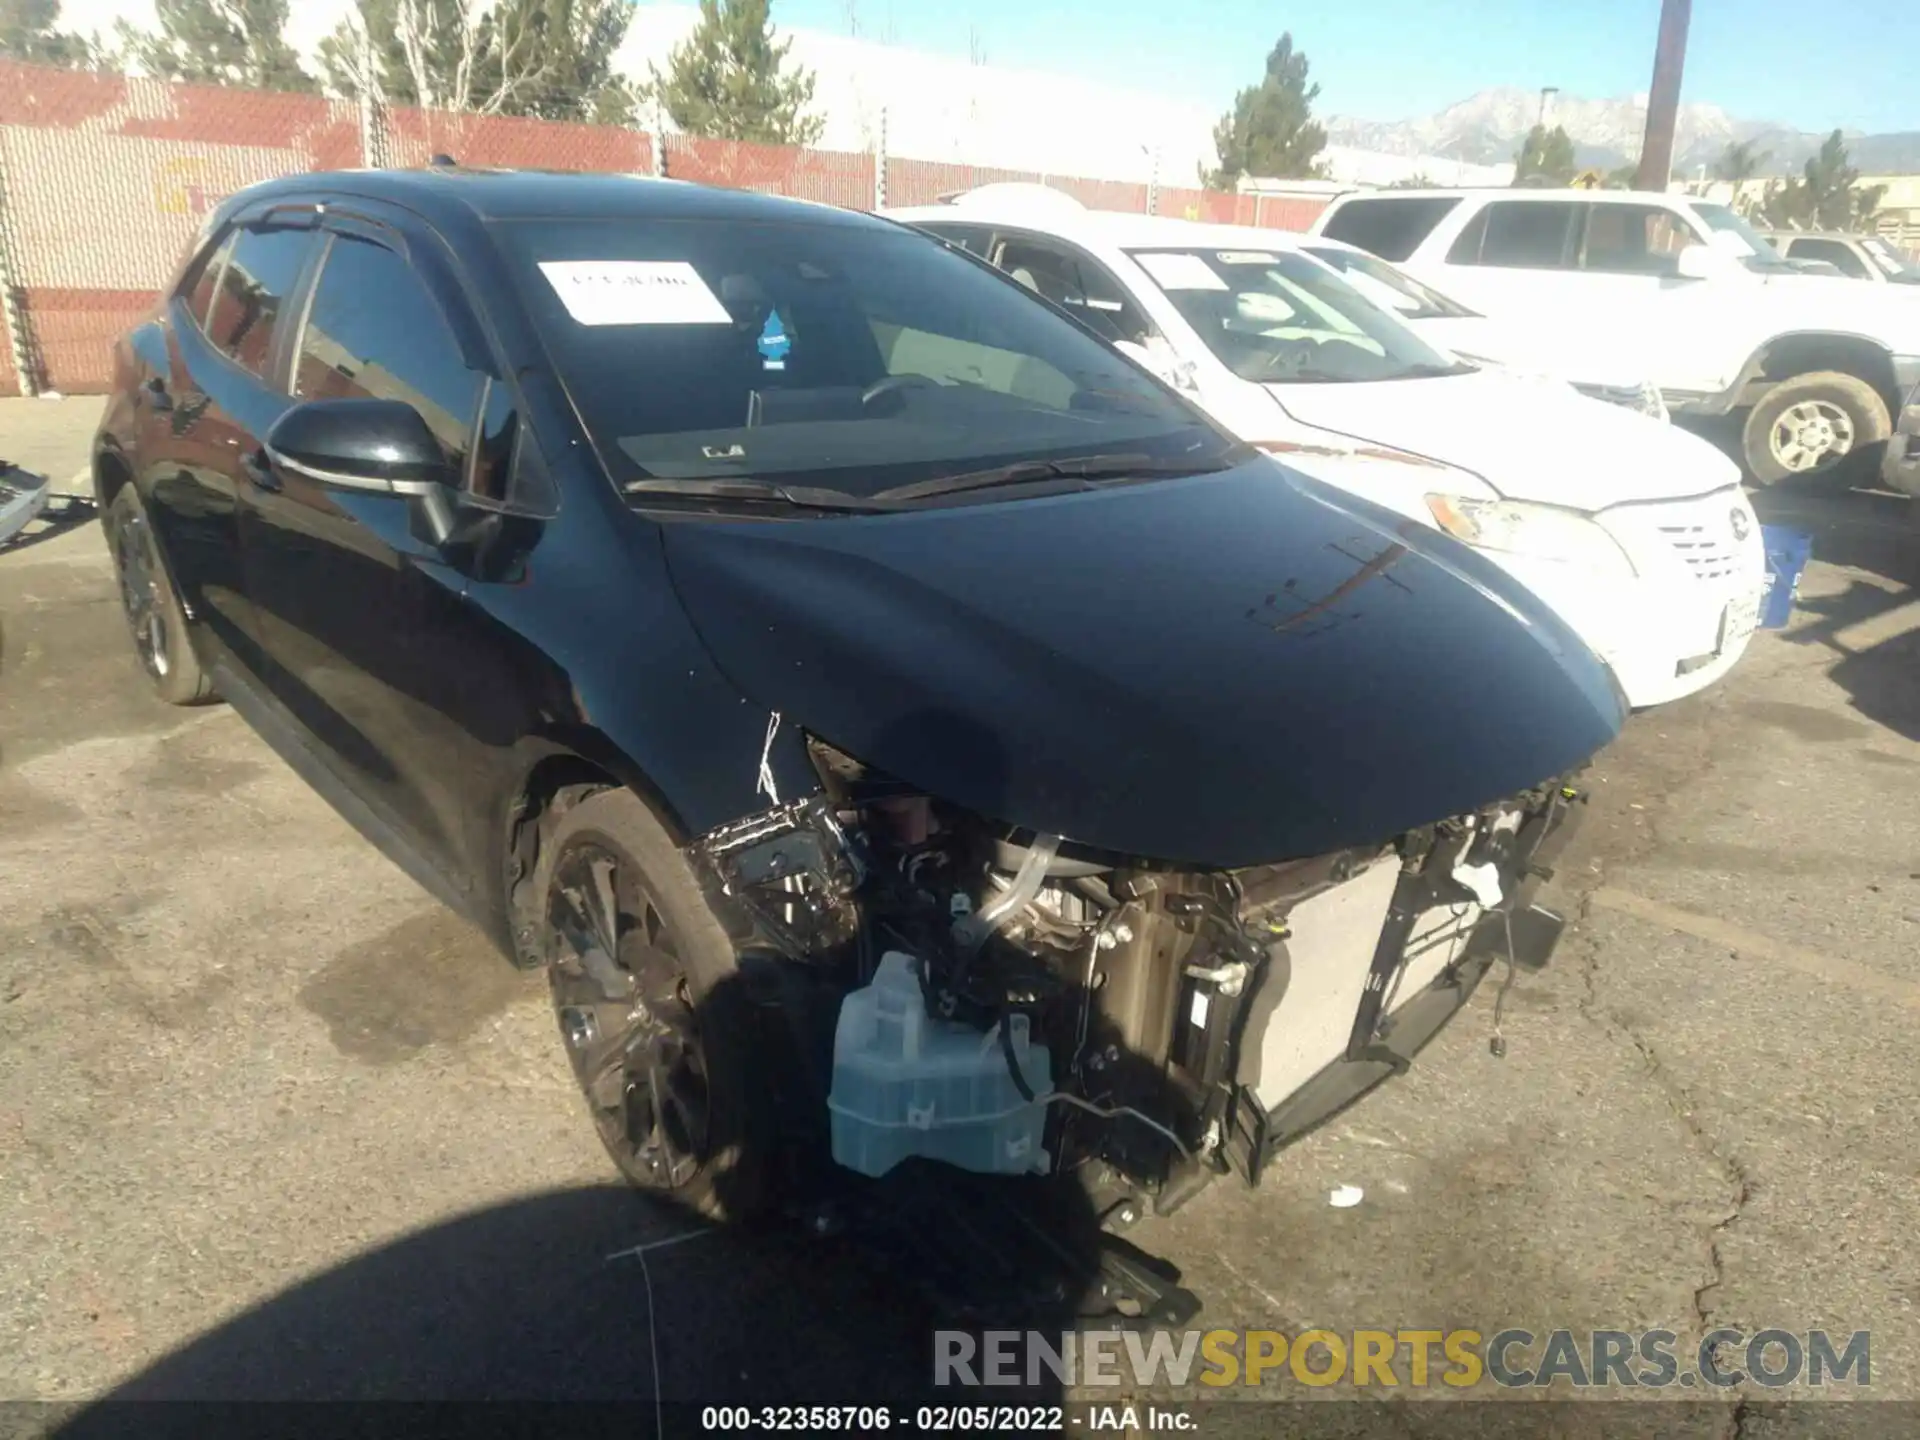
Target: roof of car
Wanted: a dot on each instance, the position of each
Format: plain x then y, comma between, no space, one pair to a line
1517,192
486,194
1108,227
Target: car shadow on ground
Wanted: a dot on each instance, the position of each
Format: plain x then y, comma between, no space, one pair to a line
594,1294
1871,627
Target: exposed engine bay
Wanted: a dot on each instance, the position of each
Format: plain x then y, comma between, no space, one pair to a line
1136,1027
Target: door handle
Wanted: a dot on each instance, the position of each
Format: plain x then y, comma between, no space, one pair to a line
259,470
157,396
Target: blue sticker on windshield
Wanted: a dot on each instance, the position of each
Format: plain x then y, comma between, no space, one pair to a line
774,343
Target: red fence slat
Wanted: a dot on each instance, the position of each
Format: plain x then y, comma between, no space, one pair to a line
108,178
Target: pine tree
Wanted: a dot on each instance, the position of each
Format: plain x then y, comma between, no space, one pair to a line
1827,196
1545,158
27,33
1270,131
220,42
557,59
730,78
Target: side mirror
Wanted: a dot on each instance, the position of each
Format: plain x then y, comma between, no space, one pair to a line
379,446
1161,362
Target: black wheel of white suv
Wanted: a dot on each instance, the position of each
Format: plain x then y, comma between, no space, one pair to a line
1822,423
652,1011
154,614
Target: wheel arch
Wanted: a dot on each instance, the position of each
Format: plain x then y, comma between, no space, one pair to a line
555,774
1805,351
111,472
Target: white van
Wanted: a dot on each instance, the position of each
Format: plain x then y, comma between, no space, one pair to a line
1636,532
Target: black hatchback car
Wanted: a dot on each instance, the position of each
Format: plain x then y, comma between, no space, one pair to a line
711,596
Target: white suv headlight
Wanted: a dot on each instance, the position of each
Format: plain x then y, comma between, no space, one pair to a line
1538,532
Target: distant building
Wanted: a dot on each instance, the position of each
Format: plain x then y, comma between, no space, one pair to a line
1372,167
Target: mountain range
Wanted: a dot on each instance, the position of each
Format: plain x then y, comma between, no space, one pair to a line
1488,128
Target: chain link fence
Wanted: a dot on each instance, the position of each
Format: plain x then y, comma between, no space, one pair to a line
105,181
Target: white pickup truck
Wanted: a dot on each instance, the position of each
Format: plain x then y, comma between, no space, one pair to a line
1721,323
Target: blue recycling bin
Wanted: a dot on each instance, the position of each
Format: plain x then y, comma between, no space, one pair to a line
1787,554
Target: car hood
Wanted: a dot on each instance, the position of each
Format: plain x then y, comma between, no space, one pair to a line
1577,358
1813,302
1527,437
1223,670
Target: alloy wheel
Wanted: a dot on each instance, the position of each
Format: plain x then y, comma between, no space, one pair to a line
138,567
1810,434
622,997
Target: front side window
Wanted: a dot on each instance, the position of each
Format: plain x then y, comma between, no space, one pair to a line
1634,240
1391,289
1278,317
374,331
834,355
1391,226
1731,230
259,274
1078,285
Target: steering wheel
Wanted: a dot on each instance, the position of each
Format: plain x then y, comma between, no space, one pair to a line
892,385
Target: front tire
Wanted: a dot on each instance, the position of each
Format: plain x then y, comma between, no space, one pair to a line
154,614
652,1011
1821,423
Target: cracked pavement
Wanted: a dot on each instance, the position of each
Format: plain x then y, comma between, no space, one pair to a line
241,1058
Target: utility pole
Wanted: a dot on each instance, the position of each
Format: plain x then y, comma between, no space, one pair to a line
1655,171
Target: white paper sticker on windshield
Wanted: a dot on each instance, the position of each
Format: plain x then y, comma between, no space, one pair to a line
634,292
1175,271
1246,257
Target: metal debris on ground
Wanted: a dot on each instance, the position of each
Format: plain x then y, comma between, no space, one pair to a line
27,500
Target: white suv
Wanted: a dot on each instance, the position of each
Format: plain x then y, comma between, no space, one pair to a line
1635,531
1720,321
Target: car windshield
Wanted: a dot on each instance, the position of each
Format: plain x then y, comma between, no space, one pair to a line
839,358
1753,248
1891,262
1391,289
1281,318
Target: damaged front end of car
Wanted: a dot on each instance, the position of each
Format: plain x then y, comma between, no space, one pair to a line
1112,884
1136,1027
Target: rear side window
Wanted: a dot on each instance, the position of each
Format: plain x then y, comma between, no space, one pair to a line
259,275
1523,234
1837,252
1391,226
972,238
375,331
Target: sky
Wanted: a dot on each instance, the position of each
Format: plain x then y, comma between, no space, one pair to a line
1844,63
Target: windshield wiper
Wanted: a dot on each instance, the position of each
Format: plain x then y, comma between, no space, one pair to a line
798,497
1027,472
